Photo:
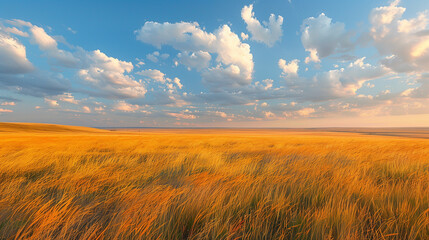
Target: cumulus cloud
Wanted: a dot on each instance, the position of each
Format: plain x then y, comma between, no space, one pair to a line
2,110
15,31
157,76
176,101
99,109
139,62
268,83
154,57
103,76
109,76
404,42
153,74
41,38
305,111
52,102
178,83
198,60
334,83
13,57
50,46
221,114
86,109
244,96
68,97
45,42
421,91
125,107
179,116
8,104
322,38
235,62
268,33
296,112
218,77
289,69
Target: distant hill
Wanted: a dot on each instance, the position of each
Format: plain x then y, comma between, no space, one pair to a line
43,128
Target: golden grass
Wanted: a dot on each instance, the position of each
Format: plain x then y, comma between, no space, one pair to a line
43,128
224,185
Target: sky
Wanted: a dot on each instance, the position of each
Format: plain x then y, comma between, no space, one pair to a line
193,63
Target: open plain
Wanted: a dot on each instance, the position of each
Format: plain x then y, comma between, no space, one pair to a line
60,182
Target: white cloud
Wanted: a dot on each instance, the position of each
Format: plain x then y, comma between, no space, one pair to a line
45,42
268,83
99,109
2,110
221,114
189,37
52,102
108,76
50,46
179,116
322,38
268,33
86,109
13,57
289,69
153,56
269,115
405,42
182,36
198,60
19,23
41,38
218,77
178,83
176,101
421,91
15,31
345,82
140,63
67,97
125,107
335,83
153,74
244,36
8,104
305,111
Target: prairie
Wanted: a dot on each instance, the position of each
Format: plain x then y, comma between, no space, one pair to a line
59,182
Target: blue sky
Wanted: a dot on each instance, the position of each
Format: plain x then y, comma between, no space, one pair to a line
215,63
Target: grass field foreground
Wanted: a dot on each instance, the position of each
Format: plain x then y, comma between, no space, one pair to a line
251,185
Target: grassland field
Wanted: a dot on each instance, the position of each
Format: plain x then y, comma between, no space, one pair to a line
61,182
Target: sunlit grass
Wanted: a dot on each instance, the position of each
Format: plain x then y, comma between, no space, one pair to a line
213,186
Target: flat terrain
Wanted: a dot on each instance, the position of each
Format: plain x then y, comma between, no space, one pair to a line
395,132
44,128
60,182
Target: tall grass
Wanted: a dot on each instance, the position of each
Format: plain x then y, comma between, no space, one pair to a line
213,186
